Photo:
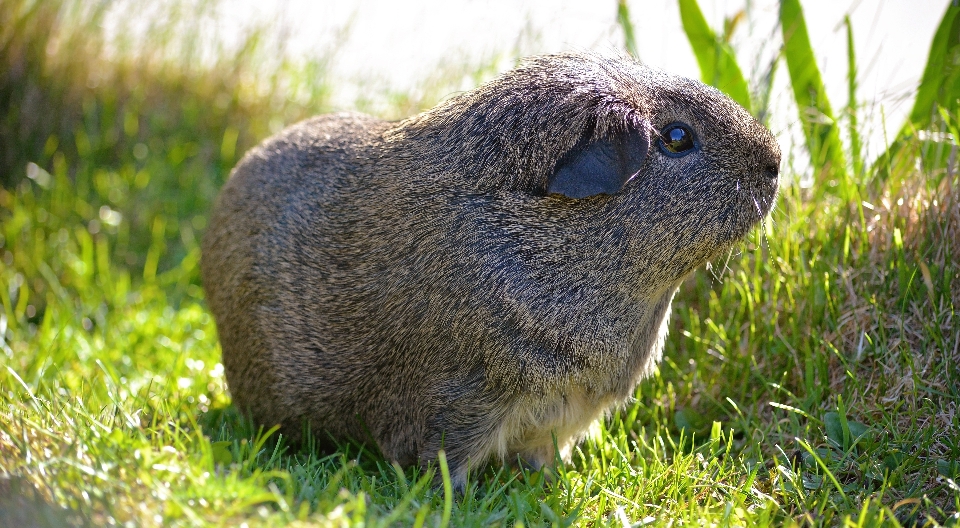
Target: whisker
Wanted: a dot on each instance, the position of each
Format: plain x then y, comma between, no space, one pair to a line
726,263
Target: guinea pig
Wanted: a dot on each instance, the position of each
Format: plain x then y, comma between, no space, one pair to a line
488,277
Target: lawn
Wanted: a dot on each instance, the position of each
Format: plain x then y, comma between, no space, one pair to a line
813,378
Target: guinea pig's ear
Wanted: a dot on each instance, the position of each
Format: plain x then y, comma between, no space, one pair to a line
601,167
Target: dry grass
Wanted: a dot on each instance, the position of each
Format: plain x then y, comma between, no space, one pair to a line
898,324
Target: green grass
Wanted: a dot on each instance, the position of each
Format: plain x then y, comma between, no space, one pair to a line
814,378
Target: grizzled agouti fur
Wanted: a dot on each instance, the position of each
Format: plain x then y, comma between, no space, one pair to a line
488,277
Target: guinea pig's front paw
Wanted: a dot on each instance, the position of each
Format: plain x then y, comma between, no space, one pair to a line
538,465
544,459
538,458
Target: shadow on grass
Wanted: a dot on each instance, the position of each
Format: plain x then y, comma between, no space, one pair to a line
23,506
227,425
326,475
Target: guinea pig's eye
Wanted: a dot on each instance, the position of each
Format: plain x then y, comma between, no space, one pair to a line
677,140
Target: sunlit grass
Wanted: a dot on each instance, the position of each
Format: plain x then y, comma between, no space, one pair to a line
811,378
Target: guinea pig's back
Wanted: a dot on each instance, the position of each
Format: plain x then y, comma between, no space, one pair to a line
286,191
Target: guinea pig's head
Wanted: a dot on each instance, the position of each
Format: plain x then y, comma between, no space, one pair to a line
674,158
666,171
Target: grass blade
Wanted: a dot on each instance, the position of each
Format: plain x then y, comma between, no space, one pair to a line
819,124
939,88
855,144
447,489
623,19
718,63
940,84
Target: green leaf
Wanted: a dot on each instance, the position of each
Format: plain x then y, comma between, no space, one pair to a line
812,481
718,63
819,125
689,421
948,468
893,459
845,433
221,452
859,431
834,428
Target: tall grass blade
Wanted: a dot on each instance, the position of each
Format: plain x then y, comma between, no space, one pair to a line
623,19
819,125
939,88
761,101
940,84
718,63
447,489
855,143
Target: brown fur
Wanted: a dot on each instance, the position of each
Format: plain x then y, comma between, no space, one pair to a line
415,285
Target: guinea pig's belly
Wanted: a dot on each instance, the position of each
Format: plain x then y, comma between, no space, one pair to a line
536,426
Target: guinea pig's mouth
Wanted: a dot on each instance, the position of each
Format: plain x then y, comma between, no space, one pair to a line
758,194
762,205
743,215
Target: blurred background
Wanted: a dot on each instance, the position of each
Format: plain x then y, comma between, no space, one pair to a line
376,45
